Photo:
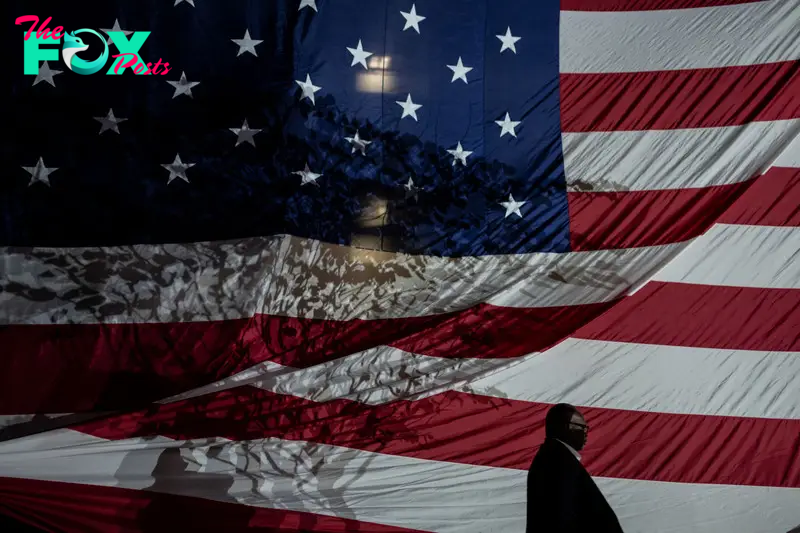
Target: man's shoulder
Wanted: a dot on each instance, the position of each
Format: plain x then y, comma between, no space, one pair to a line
551,454
551,446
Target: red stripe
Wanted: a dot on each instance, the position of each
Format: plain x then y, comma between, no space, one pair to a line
673,99
614,220
645,5
75,368
471,429
75,508
773,200
706,316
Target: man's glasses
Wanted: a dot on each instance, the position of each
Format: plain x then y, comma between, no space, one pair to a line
583,427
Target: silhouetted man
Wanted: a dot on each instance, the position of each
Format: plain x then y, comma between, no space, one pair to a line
562,496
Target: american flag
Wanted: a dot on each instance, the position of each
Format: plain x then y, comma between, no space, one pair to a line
331,270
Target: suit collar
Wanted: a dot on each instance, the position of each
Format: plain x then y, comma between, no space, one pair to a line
572,450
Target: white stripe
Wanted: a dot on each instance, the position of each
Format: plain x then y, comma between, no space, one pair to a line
288,276
739,256
374,376
675,159
790,156
13,420
611,375
646,377
636,41
400,491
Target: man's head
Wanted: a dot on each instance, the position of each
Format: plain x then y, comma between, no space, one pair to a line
566,423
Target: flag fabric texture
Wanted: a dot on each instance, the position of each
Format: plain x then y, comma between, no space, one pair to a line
330,270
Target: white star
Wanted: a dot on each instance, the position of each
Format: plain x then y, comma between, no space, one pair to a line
40,173
411,189
507,125
246,44
412,19
512,207
307,176
116,28
46,74
109,122
177,169
183,86
358,144
245,134
459,154
190,2
459,71
359,55
308,88
508,41
409,108
308,3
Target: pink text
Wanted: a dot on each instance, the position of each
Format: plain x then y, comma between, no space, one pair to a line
43,32
133,59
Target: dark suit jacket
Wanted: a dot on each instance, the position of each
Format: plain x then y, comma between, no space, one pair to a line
563,497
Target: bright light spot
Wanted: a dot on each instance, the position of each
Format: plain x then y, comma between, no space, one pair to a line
375,82
379,62
373,214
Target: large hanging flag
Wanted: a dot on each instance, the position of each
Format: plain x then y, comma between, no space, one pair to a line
323,265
